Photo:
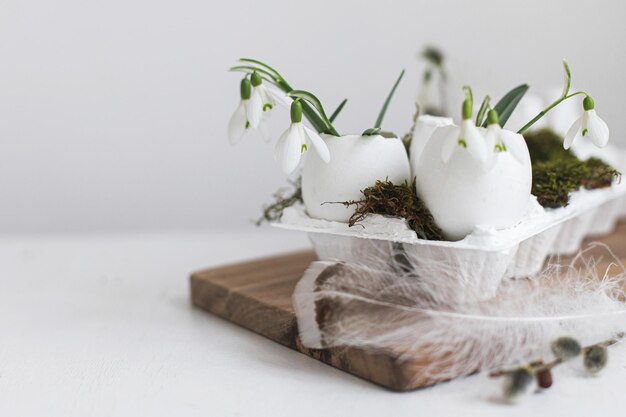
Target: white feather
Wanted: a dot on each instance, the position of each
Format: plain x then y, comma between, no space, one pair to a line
389,305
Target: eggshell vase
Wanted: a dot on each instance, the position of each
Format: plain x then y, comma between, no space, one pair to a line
461,195
356,162
424,129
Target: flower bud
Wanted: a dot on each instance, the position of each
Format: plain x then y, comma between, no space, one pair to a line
566,348
466,109
595,358
492,117
256,79
588,103
518,383
245,89
296,112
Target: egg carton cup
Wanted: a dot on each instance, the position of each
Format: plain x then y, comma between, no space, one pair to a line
475,266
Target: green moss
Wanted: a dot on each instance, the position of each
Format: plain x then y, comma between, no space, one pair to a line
553,181
558,172
600,174
546,145
400,200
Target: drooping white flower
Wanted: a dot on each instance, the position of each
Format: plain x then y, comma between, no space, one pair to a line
588,125
263,99
239,121
468,138
501,140
295,140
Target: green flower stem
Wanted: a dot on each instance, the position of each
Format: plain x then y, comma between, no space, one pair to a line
547,109
467,90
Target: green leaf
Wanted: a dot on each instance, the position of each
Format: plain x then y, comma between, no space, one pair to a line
480,116
249,70
371,131
305,95
387,134
508,103
381,115
262,65
338,110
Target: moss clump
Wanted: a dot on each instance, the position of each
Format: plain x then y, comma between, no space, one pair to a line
600,174
401,200
558,172
546,145
282,200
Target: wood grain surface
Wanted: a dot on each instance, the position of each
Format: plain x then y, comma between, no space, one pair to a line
257,296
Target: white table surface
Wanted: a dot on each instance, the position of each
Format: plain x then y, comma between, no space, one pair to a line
102,325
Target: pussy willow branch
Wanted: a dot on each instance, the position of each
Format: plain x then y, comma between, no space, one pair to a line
539,366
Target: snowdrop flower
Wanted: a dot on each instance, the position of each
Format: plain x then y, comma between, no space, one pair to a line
263,99
294,142
239,123
469,138
589,124
501,140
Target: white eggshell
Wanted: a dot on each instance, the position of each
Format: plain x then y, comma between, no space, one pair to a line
461,195
356,162
424,129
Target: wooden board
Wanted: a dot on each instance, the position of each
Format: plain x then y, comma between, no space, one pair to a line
257,296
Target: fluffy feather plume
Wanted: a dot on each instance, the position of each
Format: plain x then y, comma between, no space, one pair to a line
442,329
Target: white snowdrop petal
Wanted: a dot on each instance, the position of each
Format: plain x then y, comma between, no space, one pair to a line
585,121
318,143
278,96
597,130
237,124
515,144
264,128
492,136
280,144
572,133
268,100
265,98
288,149
476,144
254,108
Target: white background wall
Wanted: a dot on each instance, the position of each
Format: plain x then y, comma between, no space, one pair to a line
113,113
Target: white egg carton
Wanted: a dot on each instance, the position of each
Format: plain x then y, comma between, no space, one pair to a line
475,266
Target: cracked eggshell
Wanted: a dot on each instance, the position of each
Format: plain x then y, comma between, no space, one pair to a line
461,195
424,128
356,162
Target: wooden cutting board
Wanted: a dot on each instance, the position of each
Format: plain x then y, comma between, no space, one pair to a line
257,296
